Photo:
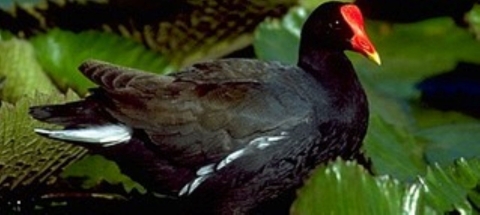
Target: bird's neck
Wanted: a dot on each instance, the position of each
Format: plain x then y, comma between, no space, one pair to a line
334,72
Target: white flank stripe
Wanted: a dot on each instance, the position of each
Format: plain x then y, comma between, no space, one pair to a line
190,187
264,142
205,172
105,135
184,190
231,157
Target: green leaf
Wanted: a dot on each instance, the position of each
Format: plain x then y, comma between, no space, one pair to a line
394,151
22,76
393,110
447,188
277,40
451,141
61,52
448,135
27,159
426,118
95,169
346,188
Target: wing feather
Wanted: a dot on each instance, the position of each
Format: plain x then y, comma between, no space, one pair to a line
209,108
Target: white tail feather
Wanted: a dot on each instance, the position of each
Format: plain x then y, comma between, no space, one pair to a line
105,135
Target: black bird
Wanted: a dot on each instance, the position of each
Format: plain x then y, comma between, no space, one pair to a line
228,135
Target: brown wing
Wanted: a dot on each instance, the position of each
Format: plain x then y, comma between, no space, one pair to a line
209,109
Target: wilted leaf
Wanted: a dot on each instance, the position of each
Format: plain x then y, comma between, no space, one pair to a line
184,31
22,76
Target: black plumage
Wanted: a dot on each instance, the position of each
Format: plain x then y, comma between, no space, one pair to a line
228,135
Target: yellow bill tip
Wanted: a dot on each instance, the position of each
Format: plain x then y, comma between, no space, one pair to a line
375,58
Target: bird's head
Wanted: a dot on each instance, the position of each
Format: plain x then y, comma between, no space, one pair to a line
338,26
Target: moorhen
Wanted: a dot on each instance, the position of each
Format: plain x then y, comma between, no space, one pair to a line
230,134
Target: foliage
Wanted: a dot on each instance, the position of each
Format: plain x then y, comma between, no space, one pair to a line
22,75
346,188
183,31
283,32
60,52
95,169
27,159
393,150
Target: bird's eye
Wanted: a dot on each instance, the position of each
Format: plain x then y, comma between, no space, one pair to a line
335,25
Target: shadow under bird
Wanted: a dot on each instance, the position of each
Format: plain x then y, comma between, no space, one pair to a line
228,135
